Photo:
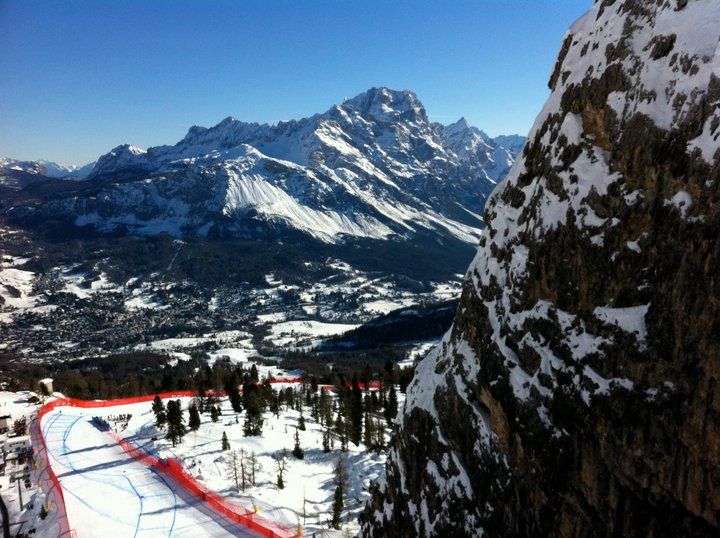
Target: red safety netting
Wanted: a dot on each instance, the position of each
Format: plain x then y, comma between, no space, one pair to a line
170,468
47,479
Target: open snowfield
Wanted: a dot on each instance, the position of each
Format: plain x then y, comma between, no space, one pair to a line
108,494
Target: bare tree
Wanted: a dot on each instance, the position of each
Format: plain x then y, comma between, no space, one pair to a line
233,468
243,468
281,464
254,466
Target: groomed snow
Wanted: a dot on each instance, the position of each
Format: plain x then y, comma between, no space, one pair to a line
108,494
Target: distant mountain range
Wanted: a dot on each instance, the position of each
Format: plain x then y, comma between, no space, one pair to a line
373,167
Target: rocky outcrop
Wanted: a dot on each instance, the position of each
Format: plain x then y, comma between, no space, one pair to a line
577,392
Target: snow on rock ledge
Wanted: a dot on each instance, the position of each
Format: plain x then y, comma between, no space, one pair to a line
577,382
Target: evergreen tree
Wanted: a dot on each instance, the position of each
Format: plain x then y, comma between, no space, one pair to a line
214,414
391,406
369,431
301,421
337,508
253,411
327,440
175,422
356,412
379,436
324,408
298,451
254,377
159,411
225,442
275,404
340,487
340,430
231,389
194,419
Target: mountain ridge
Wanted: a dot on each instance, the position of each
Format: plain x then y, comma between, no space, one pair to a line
372,167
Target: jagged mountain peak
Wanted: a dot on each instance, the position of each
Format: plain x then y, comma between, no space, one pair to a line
387,105
371,167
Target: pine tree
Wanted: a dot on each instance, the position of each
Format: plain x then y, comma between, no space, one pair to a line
194,420
324,408
225,442
301,421
275,404
327,440
340,430
337,508
231,389
340,487
379,436
356,412
391,406
254,377
175,422
298,451
214,414
369,431
159,411
253,411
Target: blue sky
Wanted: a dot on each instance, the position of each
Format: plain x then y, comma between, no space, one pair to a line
80,77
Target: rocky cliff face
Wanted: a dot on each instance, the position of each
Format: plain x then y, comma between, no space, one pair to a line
577,393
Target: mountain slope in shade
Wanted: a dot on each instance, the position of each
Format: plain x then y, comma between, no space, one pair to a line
373,167
576,393
18,174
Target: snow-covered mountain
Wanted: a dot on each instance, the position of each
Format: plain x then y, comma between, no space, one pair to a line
56,170
472,145
373,167
576,393
42,169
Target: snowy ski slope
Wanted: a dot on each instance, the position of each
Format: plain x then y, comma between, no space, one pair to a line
107,493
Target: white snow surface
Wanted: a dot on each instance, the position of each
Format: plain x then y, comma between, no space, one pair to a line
107,493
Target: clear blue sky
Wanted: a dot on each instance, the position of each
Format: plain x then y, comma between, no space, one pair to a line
80,77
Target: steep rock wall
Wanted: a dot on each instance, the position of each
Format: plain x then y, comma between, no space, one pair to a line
577,391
